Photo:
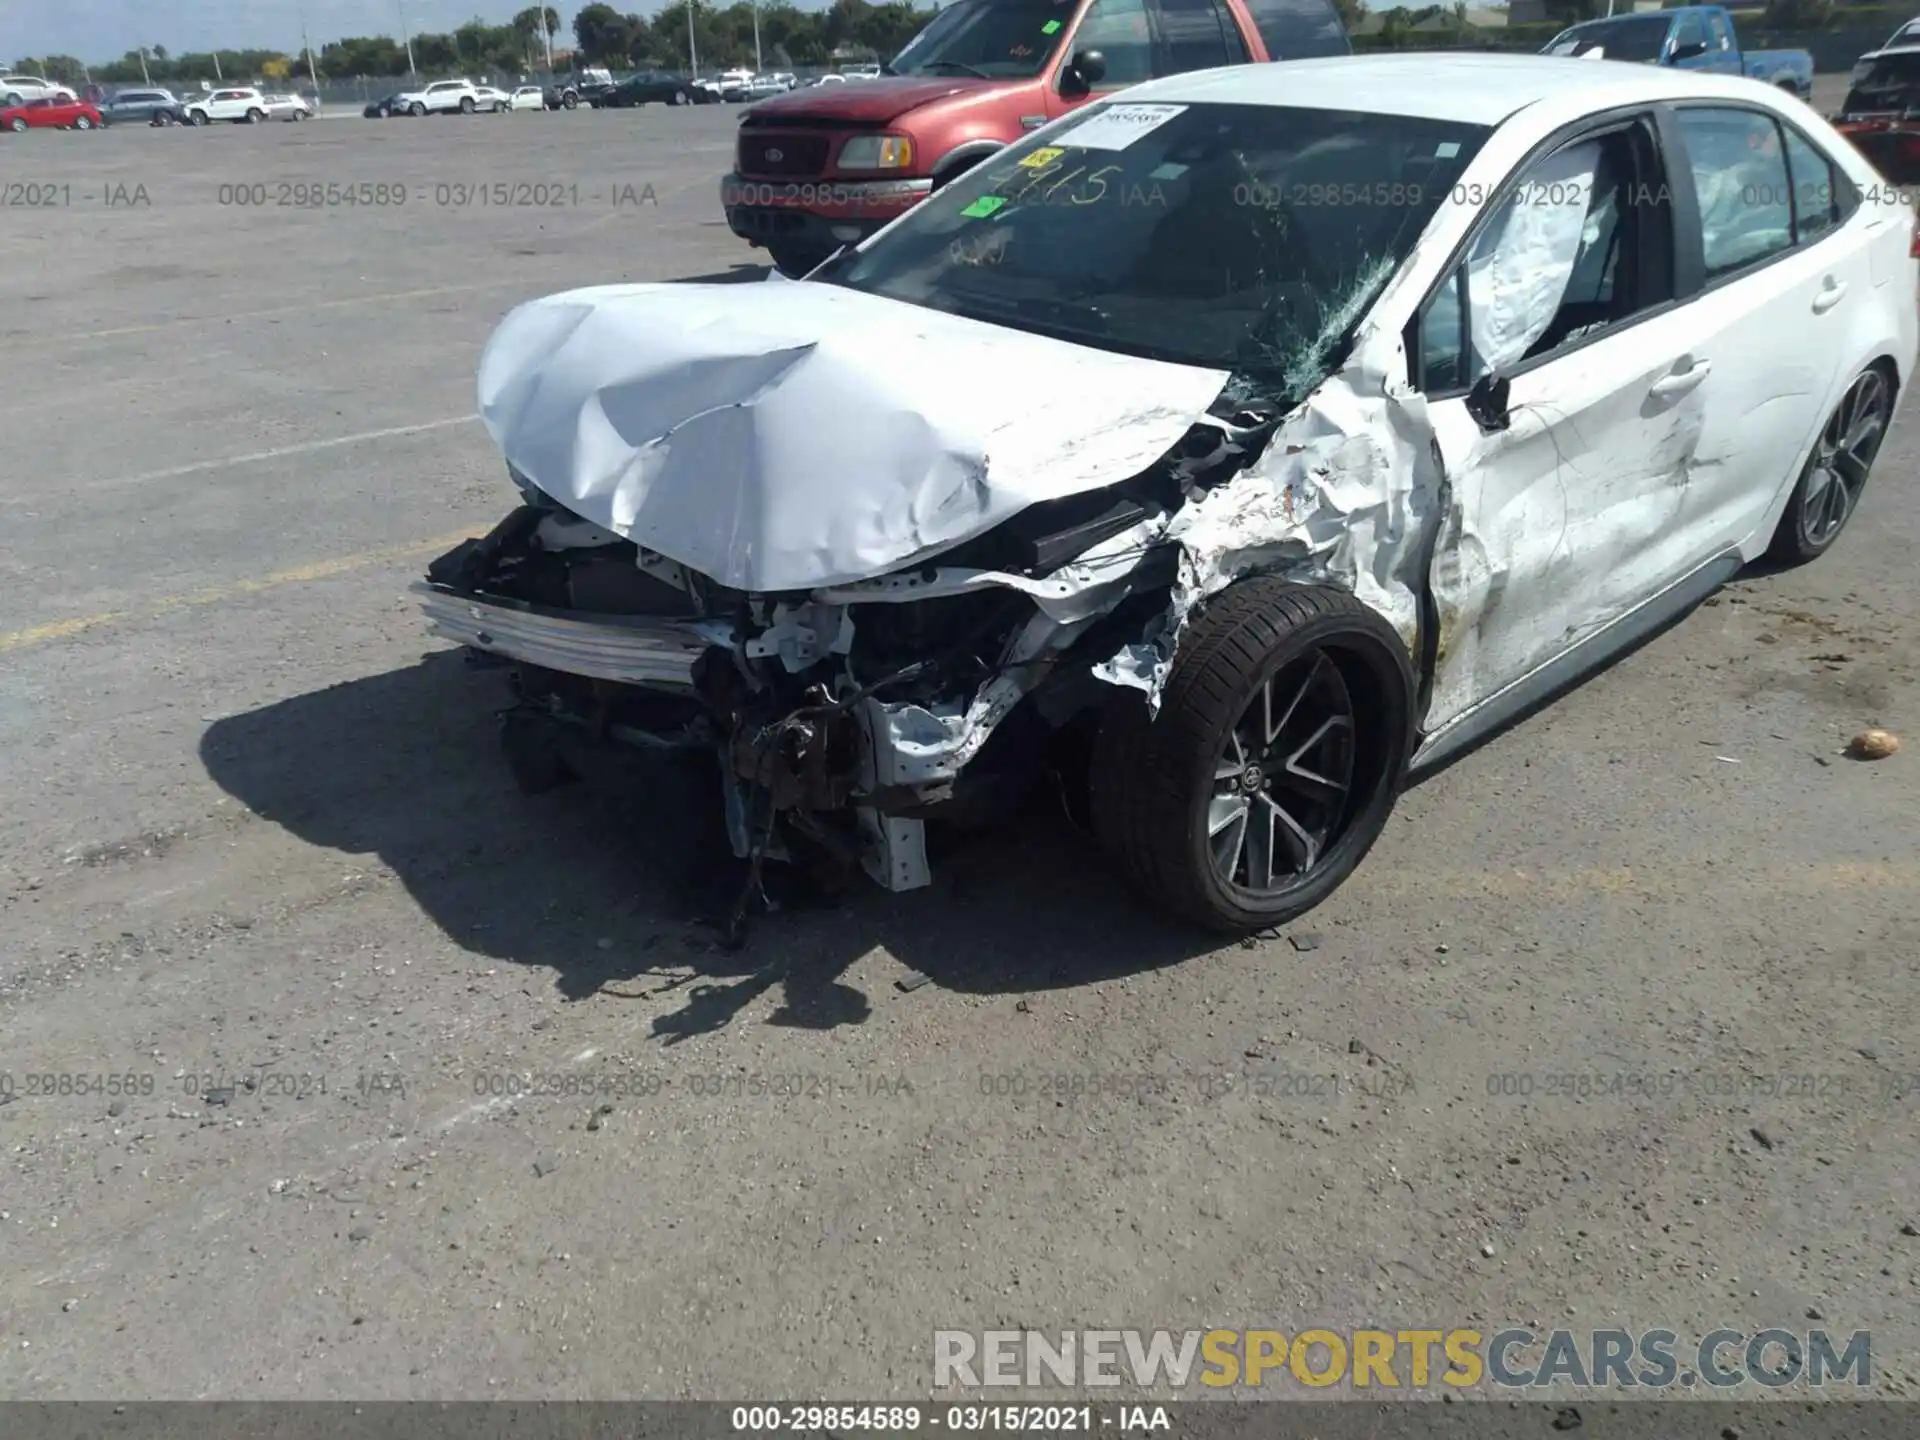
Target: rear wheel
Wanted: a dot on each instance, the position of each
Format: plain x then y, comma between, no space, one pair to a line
82,123
18,125
254,117
569,102
466,105
680,97
1275,760
199,117
416,108
1829,488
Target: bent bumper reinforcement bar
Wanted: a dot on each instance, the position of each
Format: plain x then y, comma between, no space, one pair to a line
643,652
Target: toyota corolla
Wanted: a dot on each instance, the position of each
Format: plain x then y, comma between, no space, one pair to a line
1255,439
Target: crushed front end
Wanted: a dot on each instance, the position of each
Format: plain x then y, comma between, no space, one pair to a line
843,718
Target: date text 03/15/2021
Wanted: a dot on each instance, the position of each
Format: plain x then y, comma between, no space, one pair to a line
957,1419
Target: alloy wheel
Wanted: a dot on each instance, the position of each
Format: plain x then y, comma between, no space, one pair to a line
1842,457
1283,782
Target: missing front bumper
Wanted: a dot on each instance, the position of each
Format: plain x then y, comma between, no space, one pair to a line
632,652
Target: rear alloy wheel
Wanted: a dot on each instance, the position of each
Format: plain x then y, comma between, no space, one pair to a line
254,117
81,122
1275,760
466,105
1836,473
199,117
680,97
416,108
18,125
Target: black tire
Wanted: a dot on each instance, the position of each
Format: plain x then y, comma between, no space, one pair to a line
254,117
466,105
199,117
569,102
81,122
1836,472
1155,781
681,97
18,125
416,109
795,261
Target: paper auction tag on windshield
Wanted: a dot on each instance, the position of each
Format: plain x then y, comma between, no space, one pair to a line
1118,126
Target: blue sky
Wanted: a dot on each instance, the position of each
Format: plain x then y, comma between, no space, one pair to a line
100,30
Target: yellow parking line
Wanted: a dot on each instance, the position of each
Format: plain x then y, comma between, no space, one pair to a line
214,595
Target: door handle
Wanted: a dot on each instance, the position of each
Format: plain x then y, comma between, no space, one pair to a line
1667,386
1831,294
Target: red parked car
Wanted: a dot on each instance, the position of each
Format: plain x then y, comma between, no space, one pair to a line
51,112
829,164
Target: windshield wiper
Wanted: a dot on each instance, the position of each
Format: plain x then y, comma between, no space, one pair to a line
955,65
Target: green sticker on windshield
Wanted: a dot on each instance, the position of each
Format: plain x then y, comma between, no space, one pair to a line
984,206
1052,27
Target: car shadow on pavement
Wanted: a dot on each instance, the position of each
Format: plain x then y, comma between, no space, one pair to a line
614,883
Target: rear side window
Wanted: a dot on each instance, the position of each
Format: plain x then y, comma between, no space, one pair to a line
1823,197
1740,176
1299,29
1198,35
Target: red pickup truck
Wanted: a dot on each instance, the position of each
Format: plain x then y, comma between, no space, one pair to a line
830,164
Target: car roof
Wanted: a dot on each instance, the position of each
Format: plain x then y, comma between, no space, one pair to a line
1470,88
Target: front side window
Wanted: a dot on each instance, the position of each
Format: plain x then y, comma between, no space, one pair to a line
1247,238
1691,31
993,39
1740,176
1576,246
1632,37
1118,30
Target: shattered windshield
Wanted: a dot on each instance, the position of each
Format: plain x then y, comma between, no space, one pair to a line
1247,238
1639,37
992,39
1890,82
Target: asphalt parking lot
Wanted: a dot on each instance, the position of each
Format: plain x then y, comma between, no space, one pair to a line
421,1088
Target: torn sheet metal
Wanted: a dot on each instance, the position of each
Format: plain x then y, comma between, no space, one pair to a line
1340,497
818,436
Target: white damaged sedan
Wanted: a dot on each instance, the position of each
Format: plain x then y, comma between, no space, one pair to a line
1254,440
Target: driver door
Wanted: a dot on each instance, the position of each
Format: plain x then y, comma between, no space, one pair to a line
1566,406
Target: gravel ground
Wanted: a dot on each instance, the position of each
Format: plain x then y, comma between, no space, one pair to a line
262,857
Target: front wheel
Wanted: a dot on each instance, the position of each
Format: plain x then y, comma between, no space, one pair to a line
416,108
17,125
795,261
199,117
466,105
83,123
680,97
254,117
1273,764
569,102
1829,487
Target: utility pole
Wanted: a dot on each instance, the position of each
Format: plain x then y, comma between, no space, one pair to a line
549,38
145,78
756,37
693,54
307,45
400,9
216,68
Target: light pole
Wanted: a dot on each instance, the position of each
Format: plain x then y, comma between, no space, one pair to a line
756,37
693,54
307,45
145,78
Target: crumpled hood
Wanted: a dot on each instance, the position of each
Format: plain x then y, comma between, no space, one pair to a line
783,437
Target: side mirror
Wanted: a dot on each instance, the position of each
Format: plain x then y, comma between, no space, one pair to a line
1687,51
1086,70
1487,403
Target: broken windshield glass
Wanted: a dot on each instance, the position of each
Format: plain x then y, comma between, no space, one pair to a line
1247,238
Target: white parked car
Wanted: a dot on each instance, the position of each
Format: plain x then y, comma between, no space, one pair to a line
241,106
18,89
442,97
1489,366
492,100
287,107
528,97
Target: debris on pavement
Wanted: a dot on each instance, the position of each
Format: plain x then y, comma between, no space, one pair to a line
912,980
1873,744
1311,940
544,1167
1762,1135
